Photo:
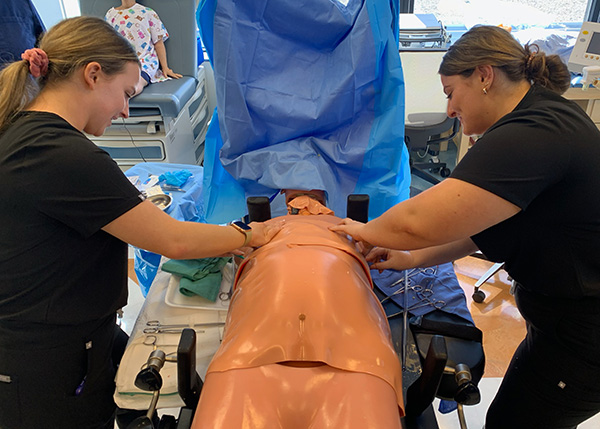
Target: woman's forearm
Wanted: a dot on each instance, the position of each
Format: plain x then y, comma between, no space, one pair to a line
449,211
443,253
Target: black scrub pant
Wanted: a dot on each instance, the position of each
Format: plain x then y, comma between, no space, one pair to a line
59,376
553,380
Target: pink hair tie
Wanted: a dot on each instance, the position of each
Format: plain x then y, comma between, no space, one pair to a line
38,61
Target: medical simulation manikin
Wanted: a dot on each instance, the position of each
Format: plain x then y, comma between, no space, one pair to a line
306,342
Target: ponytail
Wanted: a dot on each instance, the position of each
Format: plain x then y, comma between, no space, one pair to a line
17,89
546,70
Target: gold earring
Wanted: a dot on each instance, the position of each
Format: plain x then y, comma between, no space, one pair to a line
485,90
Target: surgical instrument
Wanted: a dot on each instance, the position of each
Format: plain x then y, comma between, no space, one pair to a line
405,322
155,327
224,296
172,188
414,272
408,274
437,305
420,292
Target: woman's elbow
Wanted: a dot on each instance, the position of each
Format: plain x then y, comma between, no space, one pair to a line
176,250
415,237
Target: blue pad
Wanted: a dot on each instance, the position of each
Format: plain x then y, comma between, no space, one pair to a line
429,289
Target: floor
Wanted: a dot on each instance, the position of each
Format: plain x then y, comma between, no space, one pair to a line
502,325
503,329
498,318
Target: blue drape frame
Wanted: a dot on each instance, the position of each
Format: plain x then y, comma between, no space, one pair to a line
310,95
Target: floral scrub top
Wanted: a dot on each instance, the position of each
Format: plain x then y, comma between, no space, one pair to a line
143,28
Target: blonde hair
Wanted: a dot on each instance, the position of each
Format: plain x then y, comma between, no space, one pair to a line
70,45
490,45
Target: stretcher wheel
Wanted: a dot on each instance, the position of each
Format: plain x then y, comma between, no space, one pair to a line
445,172
478,296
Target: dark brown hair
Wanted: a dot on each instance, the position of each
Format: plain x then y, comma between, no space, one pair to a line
490,45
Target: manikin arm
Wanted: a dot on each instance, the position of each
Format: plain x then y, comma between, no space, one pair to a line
161,52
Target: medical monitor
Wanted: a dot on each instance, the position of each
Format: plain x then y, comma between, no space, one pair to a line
586,51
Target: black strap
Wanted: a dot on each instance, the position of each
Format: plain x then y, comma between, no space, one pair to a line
462,331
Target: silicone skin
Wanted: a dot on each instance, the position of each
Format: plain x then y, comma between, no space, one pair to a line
306,340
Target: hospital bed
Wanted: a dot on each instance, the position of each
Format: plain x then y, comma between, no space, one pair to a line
443,359
168,120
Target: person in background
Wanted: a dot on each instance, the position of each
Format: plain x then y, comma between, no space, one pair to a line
67,216
21,27
524,194
142,27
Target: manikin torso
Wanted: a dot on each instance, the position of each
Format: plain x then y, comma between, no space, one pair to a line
302,315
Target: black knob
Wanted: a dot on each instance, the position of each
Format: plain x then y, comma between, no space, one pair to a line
358,207
259,209
149,378
467,393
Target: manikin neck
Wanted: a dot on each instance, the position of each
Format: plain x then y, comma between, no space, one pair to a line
125,4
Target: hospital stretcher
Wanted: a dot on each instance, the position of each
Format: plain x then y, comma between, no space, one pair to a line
168,121
161,304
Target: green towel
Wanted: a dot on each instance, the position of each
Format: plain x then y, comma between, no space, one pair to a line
198,276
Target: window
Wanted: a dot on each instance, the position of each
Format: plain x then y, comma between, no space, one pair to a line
514,13
53,11
71,8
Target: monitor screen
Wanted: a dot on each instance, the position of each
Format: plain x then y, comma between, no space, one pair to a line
594,46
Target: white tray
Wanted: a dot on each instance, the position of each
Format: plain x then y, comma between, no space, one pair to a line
174,298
